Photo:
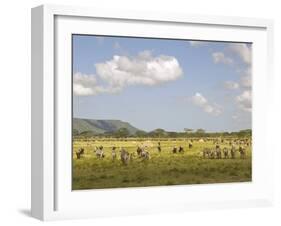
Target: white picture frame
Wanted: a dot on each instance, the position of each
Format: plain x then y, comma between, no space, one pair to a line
52,198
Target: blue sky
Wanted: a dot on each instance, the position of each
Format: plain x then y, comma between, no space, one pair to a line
160,83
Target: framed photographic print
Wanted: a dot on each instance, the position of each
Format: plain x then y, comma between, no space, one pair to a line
136,113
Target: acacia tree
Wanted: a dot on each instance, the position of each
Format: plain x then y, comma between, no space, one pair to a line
187,130
159,132
200,131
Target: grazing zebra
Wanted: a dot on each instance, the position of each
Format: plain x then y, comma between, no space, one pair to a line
242,151
79,153
144,154
113,153
139,150
181,149
125,156
99,152
218,153
159,147
212,154
225,153
232,152
206,153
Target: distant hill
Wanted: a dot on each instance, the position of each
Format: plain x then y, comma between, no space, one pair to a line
101,126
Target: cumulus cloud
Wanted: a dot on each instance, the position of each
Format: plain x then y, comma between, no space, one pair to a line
246,79
141,70
243,51
123,71
231,85
199,100
219,57
87,85
82,84
244,100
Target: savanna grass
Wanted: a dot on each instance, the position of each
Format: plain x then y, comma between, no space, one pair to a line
163,168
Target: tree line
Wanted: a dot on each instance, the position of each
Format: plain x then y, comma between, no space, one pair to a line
161,133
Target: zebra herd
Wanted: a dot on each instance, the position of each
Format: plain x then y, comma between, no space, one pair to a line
218,153
143,153
125,156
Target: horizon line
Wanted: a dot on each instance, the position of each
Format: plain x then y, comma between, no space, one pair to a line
194,130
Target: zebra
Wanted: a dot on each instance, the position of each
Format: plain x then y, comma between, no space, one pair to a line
145,155
218,153
232,152
99,152
225,153
113,153
125,156
206,153
79,153
242,151
159,147
181,149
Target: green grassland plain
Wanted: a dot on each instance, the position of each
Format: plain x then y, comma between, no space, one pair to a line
162,169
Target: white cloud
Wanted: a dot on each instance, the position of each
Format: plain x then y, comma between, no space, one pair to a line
244,100
82,84
219,57
140,70
231,85
243,51
246,79
123,71
199,100
86,85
